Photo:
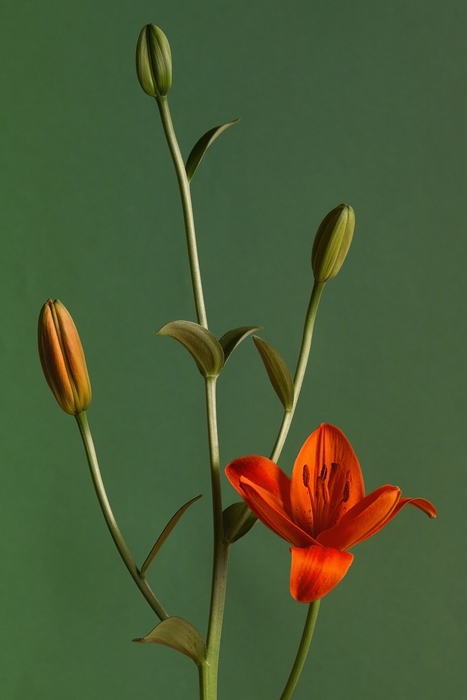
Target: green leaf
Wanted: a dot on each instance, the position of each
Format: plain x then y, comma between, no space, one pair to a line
200,343
231,339
165,533
278,372
201,146
177,633
230,518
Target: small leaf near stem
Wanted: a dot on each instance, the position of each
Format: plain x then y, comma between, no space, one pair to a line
200,343
201,146
165,533
233,338
278,372
177,633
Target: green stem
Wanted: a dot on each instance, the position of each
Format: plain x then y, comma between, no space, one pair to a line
221,550
187,207
302,362
302,652
117,536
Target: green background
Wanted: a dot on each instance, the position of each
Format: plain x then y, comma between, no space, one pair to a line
362,102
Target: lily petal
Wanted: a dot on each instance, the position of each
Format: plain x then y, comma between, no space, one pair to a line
271,512
422,503
327,474
316,571
264,473
363,520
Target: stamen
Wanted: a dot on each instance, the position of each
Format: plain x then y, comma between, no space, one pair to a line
346,494
306,475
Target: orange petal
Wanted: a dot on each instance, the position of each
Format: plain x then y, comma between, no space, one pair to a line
326,452
271,512
264,473
421,503
363,520
316,571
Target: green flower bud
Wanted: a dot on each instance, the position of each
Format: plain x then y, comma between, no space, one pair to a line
62,358
332,242
154,61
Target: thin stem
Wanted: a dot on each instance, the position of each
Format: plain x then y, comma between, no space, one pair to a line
221,549
187,207
302,650
117,536
302,362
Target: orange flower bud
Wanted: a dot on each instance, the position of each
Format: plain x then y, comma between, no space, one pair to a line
62,358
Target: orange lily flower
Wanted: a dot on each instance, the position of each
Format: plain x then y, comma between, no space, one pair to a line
322,510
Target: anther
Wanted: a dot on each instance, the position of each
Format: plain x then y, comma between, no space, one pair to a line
306,475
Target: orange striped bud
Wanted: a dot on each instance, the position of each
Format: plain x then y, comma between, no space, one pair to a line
62,358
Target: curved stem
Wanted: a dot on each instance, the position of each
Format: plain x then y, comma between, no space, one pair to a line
221,550
302,652
187,207
302,362
117,536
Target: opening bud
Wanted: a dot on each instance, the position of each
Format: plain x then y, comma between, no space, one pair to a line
62,358
154,61
332,242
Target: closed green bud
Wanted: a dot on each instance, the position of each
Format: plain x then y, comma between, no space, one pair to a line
332,242
154,61
62,358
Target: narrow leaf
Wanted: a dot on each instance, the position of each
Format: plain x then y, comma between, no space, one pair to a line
231,339
278,372
177,633
201,146
165,533
200,343
231,517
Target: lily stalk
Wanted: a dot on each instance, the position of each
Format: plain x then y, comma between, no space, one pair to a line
187,206
208,671
117,536
302,652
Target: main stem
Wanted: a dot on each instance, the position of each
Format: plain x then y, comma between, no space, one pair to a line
209,671
117,536
302,652
187,207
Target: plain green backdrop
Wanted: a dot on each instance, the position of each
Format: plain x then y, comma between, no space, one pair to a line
363,102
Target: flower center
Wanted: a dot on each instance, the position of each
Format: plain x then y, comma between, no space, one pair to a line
328,496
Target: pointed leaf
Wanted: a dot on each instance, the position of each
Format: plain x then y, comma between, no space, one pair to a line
231,339
165,533
203,346
201,146
278,372
177,633
231,516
